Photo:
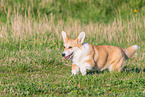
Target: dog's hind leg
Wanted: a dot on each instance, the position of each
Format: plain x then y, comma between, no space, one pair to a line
116,67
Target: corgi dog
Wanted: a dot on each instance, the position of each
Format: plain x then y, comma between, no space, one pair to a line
85,56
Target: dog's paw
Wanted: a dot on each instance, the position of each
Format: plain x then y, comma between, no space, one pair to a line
84,73
73,72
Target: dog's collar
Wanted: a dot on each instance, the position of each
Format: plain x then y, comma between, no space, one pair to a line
84,43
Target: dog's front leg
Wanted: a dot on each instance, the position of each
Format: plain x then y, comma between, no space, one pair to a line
84,68
75,69
83,71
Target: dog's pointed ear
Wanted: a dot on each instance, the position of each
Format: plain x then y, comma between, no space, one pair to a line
64,36
80,38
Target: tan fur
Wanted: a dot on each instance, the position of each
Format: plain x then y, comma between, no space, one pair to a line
102,57
130,51
105,55
73,66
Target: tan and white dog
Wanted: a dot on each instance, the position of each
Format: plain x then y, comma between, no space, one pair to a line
86,56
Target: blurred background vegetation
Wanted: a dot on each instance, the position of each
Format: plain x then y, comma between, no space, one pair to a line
102,11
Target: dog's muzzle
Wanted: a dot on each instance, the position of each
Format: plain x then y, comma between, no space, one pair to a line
67,57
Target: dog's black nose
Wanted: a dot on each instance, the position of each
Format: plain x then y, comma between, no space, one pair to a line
63,54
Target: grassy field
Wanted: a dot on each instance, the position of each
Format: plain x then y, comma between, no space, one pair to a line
31,46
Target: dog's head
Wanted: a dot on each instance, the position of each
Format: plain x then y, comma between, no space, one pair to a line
71,45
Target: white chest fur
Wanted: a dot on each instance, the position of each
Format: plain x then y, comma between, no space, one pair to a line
80,55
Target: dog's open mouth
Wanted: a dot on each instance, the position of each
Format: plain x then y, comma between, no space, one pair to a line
69,56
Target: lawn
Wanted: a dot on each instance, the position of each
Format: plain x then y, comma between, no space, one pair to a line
31,46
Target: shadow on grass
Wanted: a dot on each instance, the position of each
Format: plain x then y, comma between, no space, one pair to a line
125,69
96,72
144,70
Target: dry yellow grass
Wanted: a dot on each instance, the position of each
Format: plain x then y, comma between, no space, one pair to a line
118,31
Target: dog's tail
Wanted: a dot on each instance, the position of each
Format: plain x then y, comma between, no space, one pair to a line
131,50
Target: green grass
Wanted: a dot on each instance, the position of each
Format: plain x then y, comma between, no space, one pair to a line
31,45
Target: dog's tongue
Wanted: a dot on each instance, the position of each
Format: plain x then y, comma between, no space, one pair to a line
67,57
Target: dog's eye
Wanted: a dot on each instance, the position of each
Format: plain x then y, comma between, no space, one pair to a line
69,47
